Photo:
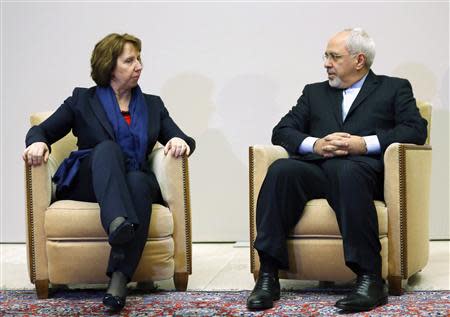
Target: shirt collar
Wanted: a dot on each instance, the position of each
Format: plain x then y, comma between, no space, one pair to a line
358,84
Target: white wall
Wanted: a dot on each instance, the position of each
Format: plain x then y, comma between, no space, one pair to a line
227,72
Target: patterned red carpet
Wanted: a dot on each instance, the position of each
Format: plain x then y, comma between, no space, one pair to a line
224,303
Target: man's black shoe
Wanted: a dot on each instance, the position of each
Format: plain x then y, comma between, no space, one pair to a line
369,292
266,290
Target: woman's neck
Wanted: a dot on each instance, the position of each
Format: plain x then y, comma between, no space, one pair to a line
123,97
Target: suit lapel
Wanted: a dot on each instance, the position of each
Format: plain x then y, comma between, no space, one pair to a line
336,103
368,87
101,115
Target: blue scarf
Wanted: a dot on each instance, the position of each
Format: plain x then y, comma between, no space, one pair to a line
68,169
133,138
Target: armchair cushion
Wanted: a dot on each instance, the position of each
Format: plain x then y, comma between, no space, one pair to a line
327,227
79,220
73,262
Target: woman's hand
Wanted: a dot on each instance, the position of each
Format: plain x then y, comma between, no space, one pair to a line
177,147
36,153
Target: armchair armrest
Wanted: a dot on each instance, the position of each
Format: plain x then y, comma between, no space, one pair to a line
38,195
260,158
173,178
406,192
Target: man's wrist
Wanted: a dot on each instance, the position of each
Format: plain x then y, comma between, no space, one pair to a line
314,146
373,144
307,146
364,146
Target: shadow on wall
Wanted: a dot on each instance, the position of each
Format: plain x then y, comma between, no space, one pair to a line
218,178
425,86
247,111
422,79
440,186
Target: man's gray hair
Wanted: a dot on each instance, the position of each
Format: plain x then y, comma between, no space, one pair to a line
359,41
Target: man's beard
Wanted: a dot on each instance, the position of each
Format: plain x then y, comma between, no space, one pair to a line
336,82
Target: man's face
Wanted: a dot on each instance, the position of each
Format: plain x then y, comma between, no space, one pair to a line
340,65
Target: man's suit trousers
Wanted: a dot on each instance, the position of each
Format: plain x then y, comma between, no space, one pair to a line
103,178
348,185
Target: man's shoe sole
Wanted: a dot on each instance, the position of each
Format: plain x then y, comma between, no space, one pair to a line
382,301
262,307
258,307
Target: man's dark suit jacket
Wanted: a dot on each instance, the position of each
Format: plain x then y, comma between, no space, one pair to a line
83,113
385,106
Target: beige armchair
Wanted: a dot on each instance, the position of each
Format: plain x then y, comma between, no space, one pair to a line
66,243
315,244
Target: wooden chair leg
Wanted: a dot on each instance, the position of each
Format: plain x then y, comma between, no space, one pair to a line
181,281
395,285
41,288
326,284
146,286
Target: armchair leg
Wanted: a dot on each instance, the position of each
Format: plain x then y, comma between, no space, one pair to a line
41,288
326,284
146,286
395,285
181,281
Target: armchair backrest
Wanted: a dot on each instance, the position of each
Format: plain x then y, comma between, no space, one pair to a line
425,112
62,148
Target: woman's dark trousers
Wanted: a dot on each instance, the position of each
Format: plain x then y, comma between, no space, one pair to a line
103,178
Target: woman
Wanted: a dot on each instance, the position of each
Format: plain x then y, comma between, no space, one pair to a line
117,126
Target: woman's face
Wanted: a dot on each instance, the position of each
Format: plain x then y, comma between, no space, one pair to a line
128,68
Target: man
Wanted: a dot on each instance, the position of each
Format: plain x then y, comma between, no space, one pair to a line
336,136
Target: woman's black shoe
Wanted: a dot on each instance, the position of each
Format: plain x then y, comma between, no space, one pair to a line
122,234
114,303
